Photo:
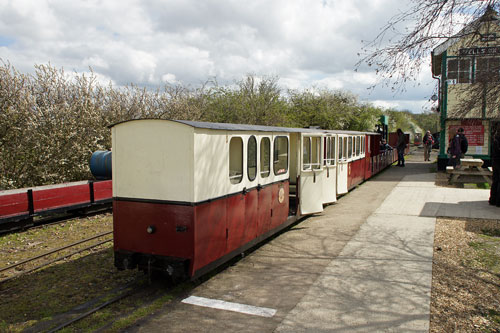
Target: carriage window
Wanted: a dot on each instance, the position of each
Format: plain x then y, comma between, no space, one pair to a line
363,145
349,147
280,152
311,153
252,158
265,157
326,146
316,152
344,154
328,153
340,148
235,160
306,153
330,150
358,145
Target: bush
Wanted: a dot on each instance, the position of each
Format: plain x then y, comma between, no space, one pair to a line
51,121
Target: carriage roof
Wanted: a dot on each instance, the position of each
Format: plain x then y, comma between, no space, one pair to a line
246,127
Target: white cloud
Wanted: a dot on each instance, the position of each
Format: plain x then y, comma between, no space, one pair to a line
169,78
96,62
304,42
416,106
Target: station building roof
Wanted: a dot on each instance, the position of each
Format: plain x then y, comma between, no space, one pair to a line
490,15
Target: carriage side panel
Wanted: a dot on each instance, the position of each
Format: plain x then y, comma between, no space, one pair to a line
153,210
153,159
265,197
235,224
280,203
251,229
210,233
356,172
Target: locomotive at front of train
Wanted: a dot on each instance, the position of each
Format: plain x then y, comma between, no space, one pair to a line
188,196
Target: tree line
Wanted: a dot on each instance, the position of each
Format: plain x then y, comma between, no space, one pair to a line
51,121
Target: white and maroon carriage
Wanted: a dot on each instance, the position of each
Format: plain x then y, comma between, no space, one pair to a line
188,196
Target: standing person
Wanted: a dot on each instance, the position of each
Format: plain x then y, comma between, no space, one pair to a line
428,142
464,144
455,151
400,146
495,163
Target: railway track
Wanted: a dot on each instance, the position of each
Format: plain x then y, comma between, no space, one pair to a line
128,290
147,292
55,251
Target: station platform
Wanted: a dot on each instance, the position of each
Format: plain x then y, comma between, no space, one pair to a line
364,264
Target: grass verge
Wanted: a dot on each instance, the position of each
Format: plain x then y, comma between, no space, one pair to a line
42,299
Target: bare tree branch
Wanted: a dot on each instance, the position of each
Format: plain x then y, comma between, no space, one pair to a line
404,44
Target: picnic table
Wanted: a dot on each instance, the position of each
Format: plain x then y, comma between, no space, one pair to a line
470,171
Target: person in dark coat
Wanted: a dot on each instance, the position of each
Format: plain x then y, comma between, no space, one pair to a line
464,144
495,163
401,146
455,151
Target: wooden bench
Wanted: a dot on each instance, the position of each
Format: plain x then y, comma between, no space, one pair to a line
470,171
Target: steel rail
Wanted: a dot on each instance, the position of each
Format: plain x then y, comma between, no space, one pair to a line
88,313
138,288
56,260
54,251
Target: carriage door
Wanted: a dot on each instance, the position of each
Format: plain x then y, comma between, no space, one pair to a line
342,165
311,174
330,172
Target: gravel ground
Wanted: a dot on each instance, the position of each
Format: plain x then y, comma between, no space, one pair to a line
466,276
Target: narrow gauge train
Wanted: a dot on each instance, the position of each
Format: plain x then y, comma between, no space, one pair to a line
188,196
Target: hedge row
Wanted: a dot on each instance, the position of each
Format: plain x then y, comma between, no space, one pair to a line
51,121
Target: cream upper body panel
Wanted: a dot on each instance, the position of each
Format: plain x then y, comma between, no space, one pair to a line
192,162
153,159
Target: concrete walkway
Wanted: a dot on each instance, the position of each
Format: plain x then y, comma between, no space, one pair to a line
365,264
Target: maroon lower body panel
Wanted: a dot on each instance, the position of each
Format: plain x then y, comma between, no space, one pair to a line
199,233
44,200
356,173
13,204
210,235
61,197
171,226
103,190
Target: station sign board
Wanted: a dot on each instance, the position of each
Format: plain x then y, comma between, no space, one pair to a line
480,51
473,131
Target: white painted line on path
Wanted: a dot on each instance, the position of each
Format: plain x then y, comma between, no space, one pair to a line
229,306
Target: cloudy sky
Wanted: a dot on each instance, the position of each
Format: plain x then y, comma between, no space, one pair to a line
306,43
